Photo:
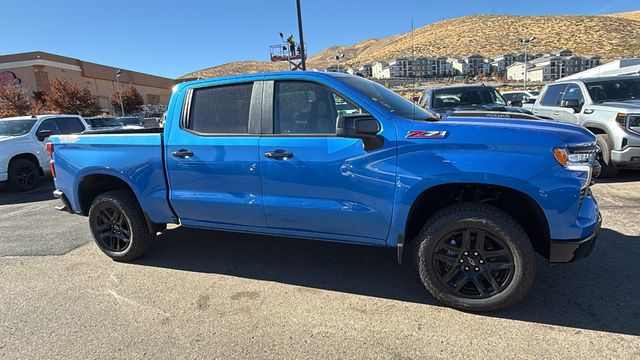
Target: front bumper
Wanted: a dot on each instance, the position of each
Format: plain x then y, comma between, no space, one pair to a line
564,251
627,158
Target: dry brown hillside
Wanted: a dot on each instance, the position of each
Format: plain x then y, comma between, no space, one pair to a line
632,15
234,68
610,36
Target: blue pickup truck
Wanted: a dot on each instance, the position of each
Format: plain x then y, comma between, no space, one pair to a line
339,158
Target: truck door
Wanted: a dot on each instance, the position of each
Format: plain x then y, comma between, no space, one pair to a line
549,104
570,115
212,157
315,182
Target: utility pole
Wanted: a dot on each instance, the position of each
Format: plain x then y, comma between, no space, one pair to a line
302,50
525,42
119,90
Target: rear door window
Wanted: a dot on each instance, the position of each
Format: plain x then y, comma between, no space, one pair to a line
221,109
553,95
70,125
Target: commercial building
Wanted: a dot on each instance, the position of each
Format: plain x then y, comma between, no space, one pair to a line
35,71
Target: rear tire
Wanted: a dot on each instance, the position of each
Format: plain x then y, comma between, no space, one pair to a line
119,227
475,257
23,175
604,157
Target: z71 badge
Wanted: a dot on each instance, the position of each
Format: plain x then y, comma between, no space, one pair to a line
421,134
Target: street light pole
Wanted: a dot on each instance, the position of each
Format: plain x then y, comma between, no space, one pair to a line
525,42
119,91
302,50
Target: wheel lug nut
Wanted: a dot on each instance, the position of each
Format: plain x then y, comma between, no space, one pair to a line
476,268
466,253
475,253
466,268
481,261
461,261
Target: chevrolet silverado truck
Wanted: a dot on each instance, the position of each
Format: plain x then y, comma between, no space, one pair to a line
450,100
23,157
339,158
608,106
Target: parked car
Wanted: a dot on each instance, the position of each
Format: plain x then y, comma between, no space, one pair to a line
103,124
608,106
23,158
471,199
520,97
446,100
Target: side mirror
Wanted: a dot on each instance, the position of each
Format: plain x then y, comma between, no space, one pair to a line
43,134
571,104
516,103
360,126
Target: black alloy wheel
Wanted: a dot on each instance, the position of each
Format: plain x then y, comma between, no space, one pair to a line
114,230
473,263
27,175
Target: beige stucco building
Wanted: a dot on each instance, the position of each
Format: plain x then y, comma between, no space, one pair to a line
36,70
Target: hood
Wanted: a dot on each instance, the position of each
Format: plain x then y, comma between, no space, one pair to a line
489,107
564,133
631,104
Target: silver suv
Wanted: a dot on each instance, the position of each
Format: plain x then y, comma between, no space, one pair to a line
608,106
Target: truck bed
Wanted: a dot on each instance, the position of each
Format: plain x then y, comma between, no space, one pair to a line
134,157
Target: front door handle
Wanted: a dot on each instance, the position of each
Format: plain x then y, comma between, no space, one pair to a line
182,153
556,113
278,154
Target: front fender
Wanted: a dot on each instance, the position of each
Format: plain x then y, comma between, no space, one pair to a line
409,190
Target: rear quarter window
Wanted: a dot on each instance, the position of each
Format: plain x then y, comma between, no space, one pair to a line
70,125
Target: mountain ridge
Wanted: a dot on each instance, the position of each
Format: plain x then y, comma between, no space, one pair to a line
610,36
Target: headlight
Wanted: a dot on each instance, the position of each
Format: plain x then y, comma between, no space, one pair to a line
577,158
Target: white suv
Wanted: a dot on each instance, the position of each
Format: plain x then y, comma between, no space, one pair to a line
608,106
23,156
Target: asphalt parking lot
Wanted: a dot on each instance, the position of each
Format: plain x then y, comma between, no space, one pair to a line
201,294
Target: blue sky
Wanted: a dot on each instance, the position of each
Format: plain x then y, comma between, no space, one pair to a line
171,38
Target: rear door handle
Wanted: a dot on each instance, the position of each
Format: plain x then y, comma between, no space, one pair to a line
182,153
556,113
278,154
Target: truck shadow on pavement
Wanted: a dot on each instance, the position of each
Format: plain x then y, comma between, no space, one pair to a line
598,293
43,192
624,176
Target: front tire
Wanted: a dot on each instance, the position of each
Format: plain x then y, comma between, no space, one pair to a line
604,157
475,257
118,226
23,175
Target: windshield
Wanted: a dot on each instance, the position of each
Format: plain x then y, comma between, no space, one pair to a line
16,127
129,120
104,122
387,98
614,90
456,97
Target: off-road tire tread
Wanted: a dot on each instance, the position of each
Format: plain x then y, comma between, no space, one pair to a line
487,214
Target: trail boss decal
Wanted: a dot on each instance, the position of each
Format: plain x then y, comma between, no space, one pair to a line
421,134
